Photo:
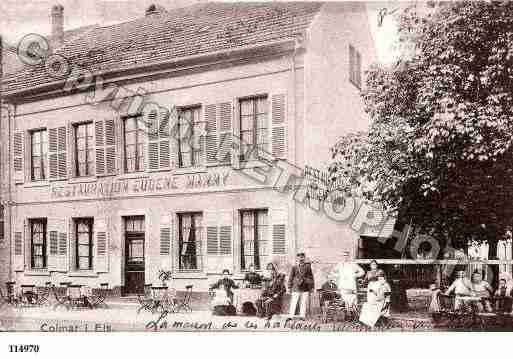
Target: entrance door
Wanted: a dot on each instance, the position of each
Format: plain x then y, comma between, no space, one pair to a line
134,255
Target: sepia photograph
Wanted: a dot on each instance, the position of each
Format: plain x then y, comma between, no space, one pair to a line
255,167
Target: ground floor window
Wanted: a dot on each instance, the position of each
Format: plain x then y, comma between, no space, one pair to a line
189,241
84,241
38,243
253,238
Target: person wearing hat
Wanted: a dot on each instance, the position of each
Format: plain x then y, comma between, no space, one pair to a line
301,282
347,273
226,283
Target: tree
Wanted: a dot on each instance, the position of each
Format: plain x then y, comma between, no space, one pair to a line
439,148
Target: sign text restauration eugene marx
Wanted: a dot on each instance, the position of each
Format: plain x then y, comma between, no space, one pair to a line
113,187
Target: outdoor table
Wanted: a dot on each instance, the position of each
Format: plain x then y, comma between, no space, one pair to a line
241,296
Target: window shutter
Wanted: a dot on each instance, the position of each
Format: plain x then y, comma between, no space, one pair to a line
219,240
165,242
159,154
57,152
279,231
105,149
100,148
57,241
351,64
101,246
236,135
110,146
279,126
225,133
18,163
62,152
164,140
53,237
19,250
153,143
358,69
211,134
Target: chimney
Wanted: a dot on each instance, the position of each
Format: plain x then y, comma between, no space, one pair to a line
154,9
58,23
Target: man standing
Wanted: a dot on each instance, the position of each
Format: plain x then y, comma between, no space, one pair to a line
347,273
301,282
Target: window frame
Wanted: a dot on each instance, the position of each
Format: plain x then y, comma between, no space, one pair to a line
43,156
90,223
43,245
255,211
139,140
181,243
254,127
355,67
193,150
91,147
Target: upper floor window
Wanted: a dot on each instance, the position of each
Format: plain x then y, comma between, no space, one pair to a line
188,133
355,67
253,238
38,243
84,145
189,241
39,153
133,129
253,125
2,227
84,243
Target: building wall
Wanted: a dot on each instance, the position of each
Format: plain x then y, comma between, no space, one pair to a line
333,108
156,195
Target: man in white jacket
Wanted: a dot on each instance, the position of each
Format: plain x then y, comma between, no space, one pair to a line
347,273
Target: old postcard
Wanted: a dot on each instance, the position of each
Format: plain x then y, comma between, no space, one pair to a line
255,166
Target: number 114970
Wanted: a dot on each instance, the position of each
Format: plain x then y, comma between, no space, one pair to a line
25,348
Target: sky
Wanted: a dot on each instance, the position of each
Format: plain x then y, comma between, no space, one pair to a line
18,18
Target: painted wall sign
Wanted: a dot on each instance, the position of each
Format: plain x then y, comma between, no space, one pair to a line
116,187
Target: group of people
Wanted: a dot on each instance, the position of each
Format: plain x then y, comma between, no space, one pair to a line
477,292
272,286
342,284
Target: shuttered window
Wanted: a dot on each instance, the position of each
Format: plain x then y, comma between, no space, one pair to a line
190,241
254,124
254,241
133,132
84,150
159,146
355,67
105,147
188,135
57,152
38,247
39,155
84,243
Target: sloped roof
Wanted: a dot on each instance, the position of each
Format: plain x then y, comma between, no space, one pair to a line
188,31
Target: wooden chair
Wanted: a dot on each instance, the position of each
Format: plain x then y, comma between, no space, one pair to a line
186,300
332,306
146,300
76,299
43,294
61,296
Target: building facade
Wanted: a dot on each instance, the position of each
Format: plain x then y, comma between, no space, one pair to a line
104,194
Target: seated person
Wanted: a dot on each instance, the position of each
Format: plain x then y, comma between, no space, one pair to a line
223,301
483,290
252,279
461,288
269,302
372,273
504,296
378,299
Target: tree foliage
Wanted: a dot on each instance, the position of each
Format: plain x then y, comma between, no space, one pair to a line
439,148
